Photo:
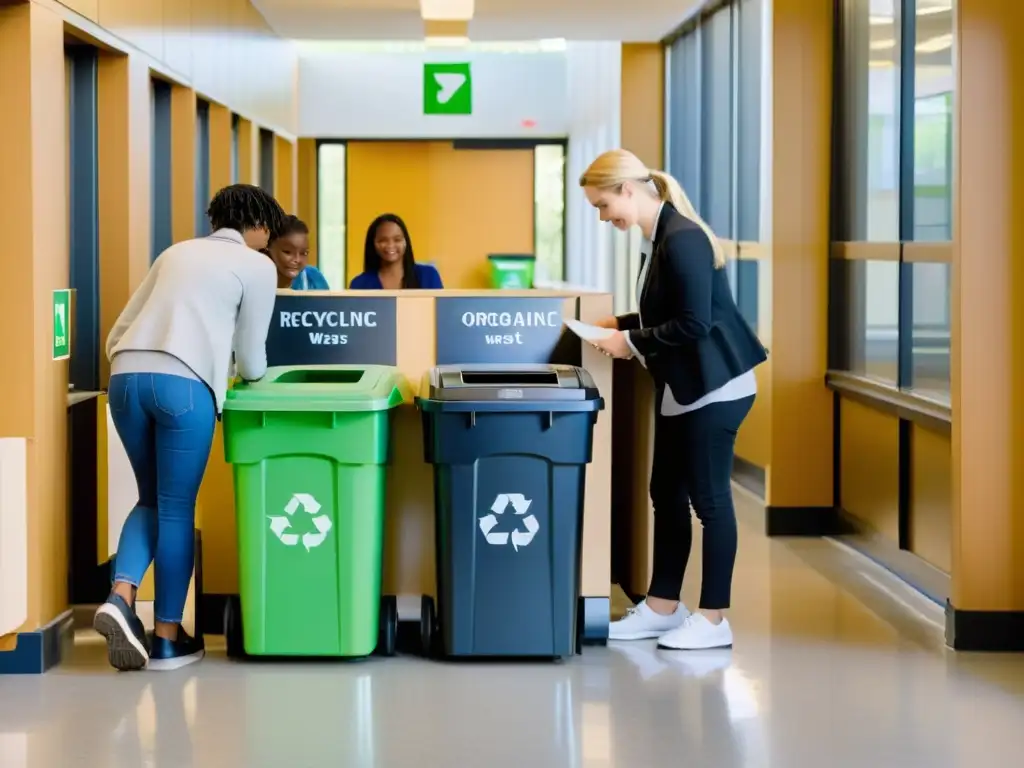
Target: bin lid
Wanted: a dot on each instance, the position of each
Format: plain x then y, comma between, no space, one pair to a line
546,387
334,388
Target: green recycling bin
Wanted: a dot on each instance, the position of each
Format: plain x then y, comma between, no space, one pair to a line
309,446
512,270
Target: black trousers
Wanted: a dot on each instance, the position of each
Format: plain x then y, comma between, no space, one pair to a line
693,456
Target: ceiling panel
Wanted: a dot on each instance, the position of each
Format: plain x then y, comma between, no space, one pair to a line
633,21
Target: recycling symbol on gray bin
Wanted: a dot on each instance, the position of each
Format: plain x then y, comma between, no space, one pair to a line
520,507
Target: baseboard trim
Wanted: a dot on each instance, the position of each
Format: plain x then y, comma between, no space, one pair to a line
749,476
36,652
595,616
803,521
930,581
992,631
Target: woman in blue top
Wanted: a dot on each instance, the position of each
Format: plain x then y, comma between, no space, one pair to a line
388,262
290,253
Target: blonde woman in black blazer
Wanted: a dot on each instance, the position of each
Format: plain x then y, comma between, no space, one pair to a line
701,354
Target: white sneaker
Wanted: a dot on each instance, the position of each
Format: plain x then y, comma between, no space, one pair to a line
641,623
696,633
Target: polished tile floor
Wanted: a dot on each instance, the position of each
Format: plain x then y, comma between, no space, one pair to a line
837,665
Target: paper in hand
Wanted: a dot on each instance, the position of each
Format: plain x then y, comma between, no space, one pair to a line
587,332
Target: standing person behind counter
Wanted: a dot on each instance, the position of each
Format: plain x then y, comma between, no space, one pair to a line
289,250
170,353
701,354
388,261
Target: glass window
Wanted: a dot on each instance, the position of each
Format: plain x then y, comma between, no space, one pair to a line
933,120
716,204
747,290
161,168
748,123
683,116
202,167
931,330
868,121
267,160
549,210
866,336
331,216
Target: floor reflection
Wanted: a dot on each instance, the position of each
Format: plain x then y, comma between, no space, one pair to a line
835,665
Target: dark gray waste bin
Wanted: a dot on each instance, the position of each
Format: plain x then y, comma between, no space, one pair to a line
509,445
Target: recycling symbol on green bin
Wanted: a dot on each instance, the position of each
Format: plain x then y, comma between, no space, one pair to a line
280,524
520,507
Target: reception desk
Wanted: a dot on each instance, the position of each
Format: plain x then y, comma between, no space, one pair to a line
413,331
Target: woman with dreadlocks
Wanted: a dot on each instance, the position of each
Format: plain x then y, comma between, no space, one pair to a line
170,354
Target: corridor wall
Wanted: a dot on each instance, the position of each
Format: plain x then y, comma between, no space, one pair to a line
218,50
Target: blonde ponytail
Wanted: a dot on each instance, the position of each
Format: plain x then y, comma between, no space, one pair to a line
614,168
670,191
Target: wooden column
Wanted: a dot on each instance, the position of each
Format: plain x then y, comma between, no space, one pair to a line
643,102
248,152
125,148
285,168
799,477
220,147
986,610
183,163
34,203
308,195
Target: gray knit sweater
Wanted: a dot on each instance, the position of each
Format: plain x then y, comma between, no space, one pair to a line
202,299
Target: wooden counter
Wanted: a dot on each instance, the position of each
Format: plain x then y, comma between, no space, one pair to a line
412,330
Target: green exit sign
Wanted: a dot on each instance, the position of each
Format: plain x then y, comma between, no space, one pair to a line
62,324
447,89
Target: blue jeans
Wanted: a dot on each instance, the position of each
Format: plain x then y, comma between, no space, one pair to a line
166,426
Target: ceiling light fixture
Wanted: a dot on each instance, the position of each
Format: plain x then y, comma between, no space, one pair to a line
447,42
882,45
447,10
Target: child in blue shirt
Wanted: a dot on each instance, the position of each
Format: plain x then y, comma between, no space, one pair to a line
290,253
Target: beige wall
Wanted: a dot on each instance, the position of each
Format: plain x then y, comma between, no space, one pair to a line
222,48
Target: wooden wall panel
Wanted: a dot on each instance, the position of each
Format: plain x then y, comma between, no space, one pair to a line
459,205
931,497
248,152
285,167
391,177
220,147
183,163
124,186
308,192
869,483
753,442
33,200
988,281
800,474
481,202
643,102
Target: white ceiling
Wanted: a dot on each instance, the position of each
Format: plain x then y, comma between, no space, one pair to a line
520,20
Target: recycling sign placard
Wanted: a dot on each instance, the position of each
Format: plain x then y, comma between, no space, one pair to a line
281,525
518,537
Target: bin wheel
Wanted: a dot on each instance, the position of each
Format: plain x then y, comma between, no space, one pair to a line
388,633
233,632
428,627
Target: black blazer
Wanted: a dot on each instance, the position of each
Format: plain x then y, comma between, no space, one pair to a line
694,339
